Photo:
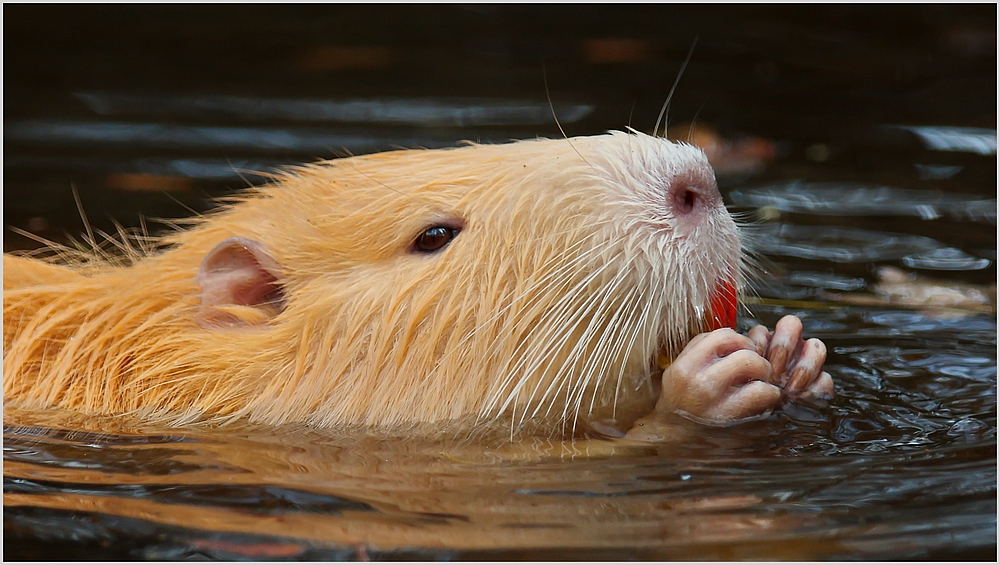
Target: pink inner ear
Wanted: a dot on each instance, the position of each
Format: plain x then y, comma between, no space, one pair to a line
238,272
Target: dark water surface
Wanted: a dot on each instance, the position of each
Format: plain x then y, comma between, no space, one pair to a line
878,125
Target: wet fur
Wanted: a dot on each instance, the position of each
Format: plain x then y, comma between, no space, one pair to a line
548,308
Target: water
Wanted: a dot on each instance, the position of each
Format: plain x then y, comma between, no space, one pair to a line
880,129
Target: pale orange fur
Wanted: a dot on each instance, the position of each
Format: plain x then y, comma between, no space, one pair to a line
550,305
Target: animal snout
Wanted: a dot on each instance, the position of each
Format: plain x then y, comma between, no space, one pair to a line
685,199
691,196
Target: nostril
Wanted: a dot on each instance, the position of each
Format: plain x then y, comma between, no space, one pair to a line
686,200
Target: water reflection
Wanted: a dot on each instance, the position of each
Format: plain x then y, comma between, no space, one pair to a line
317,140
426,112
727,492
973,140
201,169
849,245
893,287
843,199
829,281
945,259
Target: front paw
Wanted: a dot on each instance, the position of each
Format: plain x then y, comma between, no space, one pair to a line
719,378
797,363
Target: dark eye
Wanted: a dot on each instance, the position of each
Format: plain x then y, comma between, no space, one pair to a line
434,238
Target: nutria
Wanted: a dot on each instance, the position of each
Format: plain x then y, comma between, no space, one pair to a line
542,282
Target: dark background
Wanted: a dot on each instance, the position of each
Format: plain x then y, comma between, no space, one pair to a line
795,74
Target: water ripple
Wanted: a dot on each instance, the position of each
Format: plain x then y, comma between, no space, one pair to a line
948,138
837,244
428,112
846,199
319,140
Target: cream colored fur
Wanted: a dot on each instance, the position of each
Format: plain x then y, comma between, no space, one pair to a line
550,306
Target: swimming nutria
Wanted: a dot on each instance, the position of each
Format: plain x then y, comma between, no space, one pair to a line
532,282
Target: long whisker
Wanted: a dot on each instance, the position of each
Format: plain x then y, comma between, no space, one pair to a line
566,273
641,326
596,320
567,268
554,320
674,87
603,357
545,79
551,280
610,325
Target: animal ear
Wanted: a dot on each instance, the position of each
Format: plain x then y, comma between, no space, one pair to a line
240,285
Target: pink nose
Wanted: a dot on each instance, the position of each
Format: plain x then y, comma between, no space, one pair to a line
692,192
685,200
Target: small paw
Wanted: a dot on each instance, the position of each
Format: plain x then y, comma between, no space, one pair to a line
797,363
719,378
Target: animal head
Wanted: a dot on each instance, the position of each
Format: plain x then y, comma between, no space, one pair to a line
537,281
